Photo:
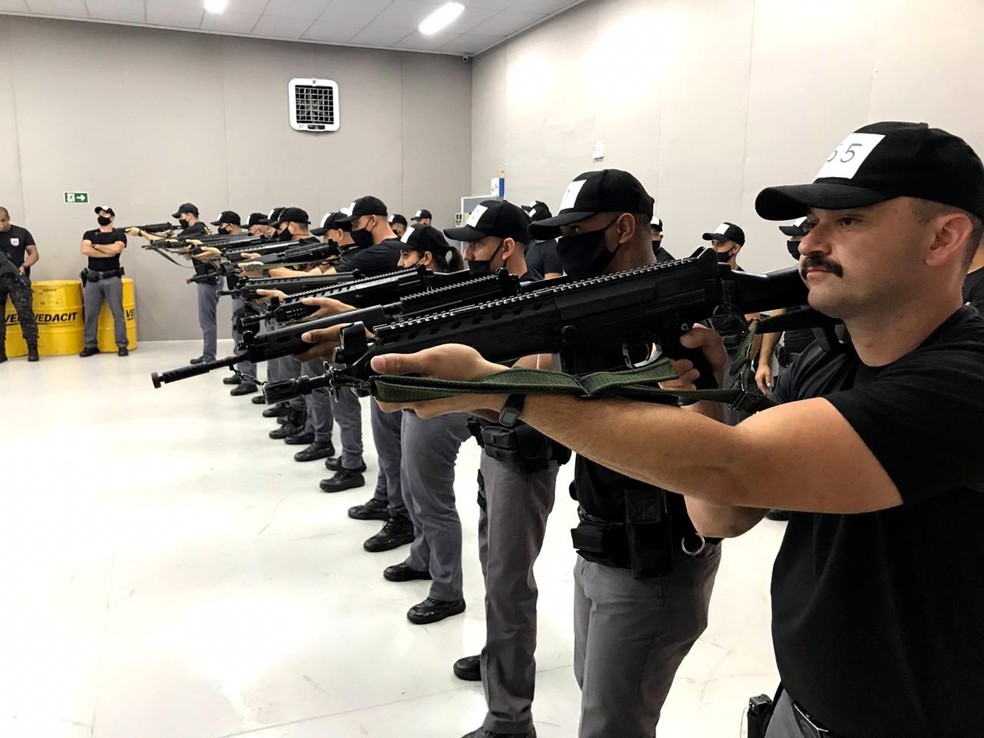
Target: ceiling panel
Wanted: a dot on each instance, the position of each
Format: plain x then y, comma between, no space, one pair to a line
309,9
122,11
239,23
173,16
63,8
354,11
332,32
377,23
273,26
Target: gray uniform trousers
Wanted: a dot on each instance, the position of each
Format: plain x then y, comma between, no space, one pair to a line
387,429
348,414
784,723
430,448
208,300
240,308
110,290
630,635
512,520
320,417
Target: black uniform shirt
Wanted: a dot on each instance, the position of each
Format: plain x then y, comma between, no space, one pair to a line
193,231
973,289
796,340
14,244
878,618
541,256
372,260
104,238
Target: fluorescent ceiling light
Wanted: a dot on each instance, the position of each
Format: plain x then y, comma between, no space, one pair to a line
440,18
215,6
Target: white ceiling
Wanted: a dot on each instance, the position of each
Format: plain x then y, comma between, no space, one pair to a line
387,24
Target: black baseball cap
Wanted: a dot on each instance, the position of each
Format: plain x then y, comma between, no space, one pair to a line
497,218
332,221
603,191
228,216
726,232
397,218
656,223
294,215
104,209
538,211
882,161
274,216
796,229
422,238
367,205
257,219
186,207
420,214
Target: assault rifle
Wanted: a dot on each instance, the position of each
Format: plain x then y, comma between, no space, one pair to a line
245,289
153,227
287,341
379,290
585,323
7,266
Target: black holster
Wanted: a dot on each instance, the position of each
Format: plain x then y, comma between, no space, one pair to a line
649,530
522,446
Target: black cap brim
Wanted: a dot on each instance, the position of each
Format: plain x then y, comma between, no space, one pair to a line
794,201
792,231
175,215
465,233
318,231
714,237
550,228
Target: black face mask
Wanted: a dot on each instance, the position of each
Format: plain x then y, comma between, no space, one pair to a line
585,255
362,237
723,258
183,222
483,267
794,249
104,220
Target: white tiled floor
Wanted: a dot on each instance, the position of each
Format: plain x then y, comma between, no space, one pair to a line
170,572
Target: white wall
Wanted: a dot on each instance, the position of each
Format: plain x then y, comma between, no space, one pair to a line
145,119
709,101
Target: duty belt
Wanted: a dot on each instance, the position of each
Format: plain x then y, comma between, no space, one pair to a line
92,275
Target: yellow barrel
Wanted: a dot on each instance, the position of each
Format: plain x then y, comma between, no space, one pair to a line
58,309
107,331
15,344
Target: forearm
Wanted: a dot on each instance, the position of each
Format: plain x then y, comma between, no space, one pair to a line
769,343
722,521
31,258
664,446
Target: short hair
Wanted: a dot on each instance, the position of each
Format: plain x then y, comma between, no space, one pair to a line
925,210
5,211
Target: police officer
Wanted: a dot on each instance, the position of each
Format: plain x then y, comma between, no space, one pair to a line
377,251
656,229
103,280
428,454
399,224
19,254
541,255
208,290
517,480
641,587
348,467
230,223
423,217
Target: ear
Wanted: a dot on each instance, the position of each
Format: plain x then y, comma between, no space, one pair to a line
625,227
508,248
427,259
953,232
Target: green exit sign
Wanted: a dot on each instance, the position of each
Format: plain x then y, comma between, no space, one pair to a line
81,198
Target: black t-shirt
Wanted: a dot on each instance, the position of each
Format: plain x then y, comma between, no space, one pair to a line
14,244
662,255
104,238
371,260
878,618
973,289
193,231
541,256
797,340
